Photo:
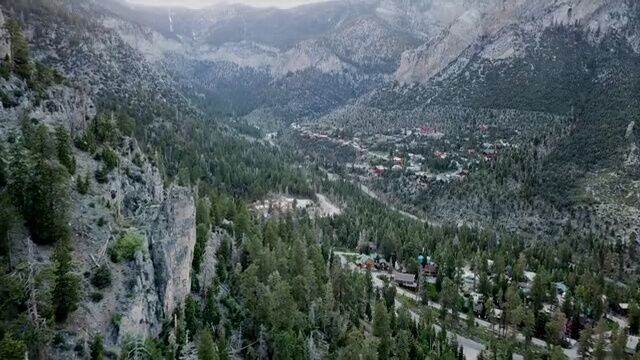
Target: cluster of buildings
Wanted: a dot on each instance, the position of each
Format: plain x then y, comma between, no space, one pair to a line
411,152
280,205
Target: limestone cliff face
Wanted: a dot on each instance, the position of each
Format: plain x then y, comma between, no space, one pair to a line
491,26
160,275
172,240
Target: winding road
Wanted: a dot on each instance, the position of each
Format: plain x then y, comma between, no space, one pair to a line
471,348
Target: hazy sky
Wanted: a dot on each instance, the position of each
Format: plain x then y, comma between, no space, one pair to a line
203,3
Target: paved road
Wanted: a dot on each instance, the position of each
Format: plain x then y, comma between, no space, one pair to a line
471,348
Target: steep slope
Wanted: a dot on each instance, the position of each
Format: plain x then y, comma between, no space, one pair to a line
572,62
138,294
492,29
124,210
244,59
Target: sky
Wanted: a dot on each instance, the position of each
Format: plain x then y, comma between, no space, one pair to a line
203,3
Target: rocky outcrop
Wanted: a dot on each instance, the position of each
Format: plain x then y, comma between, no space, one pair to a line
490,25
66,105
5,43
142,313
172,240
160,276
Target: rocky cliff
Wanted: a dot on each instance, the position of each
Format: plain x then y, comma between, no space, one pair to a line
144,291
492,28
172,239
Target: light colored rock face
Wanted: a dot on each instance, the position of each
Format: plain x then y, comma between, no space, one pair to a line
142,310
490,25
172,240
68,106
5,44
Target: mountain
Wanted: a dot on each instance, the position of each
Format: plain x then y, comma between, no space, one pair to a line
172,177
510,65
342,48
393,63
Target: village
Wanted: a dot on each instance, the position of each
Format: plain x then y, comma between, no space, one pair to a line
423,155
419,287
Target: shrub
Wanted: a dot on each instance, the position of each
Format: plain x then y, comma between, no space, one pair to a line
96,297
7,102
101,279
110,159
104,129
102,175
83,184
116,320
5,68
126,247
97,348
86,142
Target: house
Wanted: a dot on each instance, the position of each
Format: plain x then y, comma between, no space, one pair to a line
379,170
430,270
405,279
397,168
622,308
369,264
463,173
468,279
383,265
427,130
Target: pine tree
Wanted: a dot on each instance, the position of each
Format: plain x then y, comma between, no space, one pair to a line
12,349
600,346
585,342
83,184
191,315
47,212
97,348
382,329
19,50
64,150
403,345
188,351
40,143
19,171
634,318
206,348
5,68
557,354
555,328
7,220
66,289
4,175
619,344
210,314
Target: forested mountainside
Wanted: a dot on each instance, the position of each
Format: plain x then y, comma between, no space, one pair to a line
139,222
125,222
578,170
